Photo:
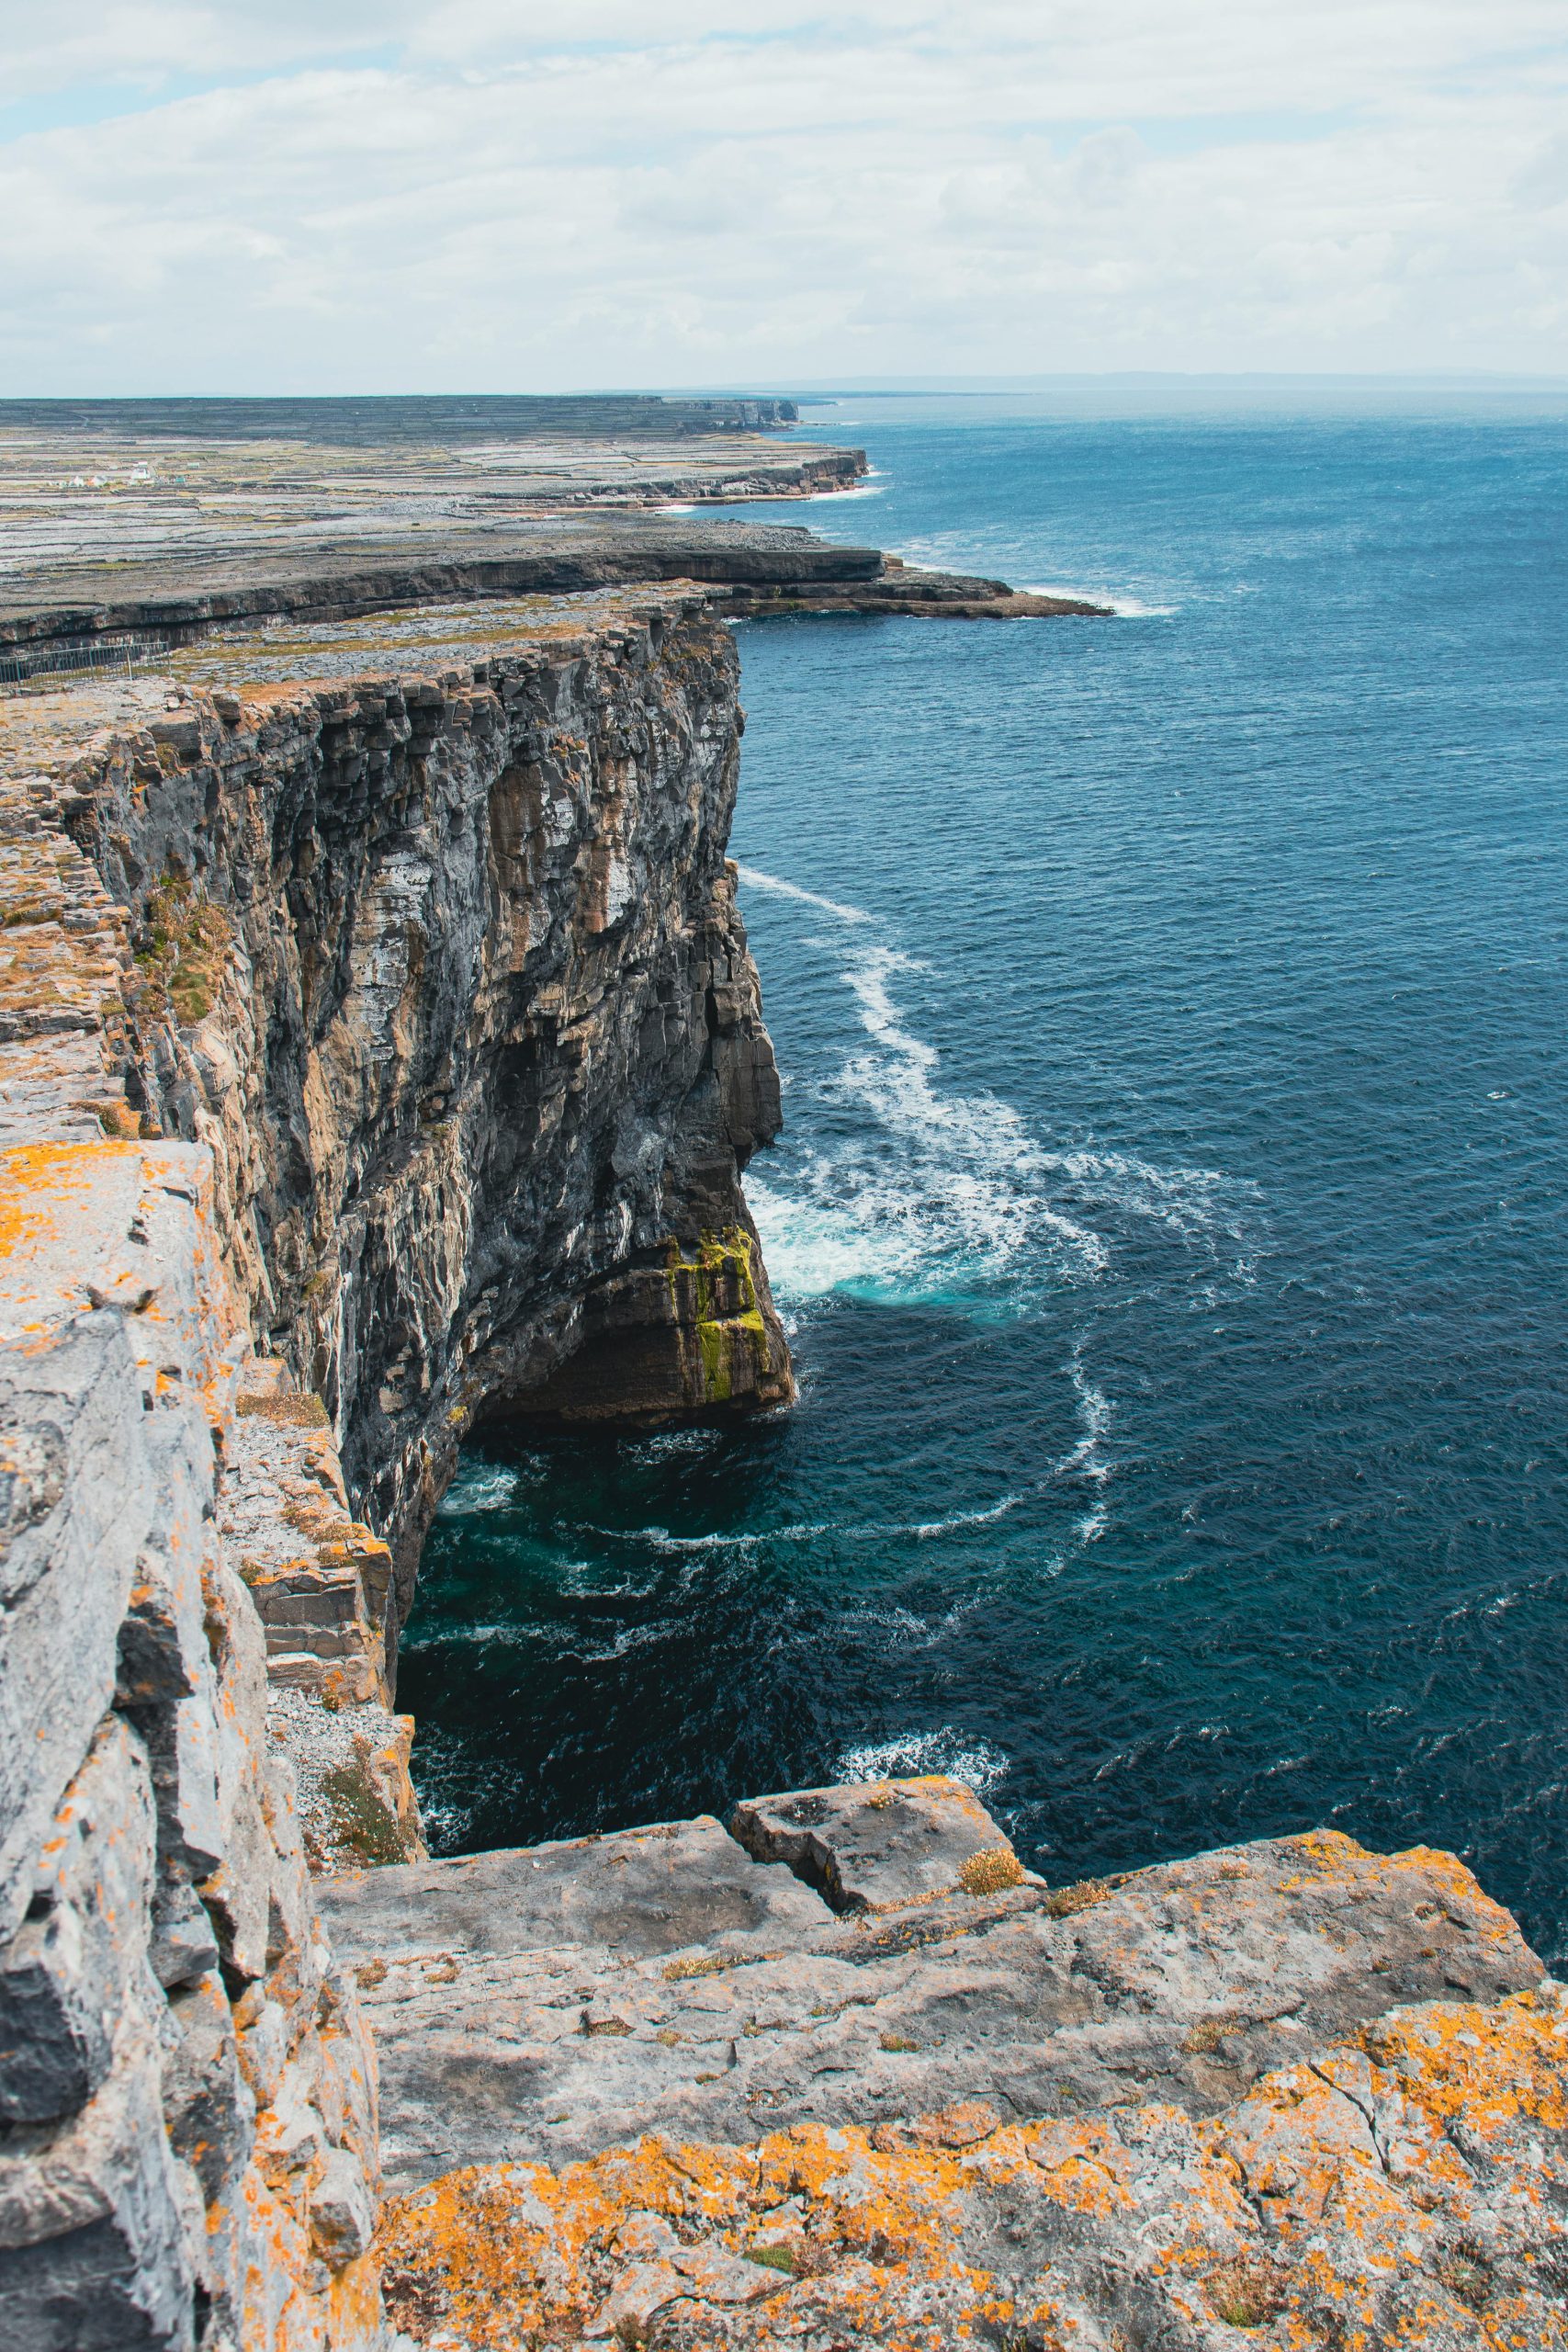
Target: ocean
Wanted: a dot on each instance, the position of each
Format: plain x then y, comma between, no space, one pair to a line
1170,1217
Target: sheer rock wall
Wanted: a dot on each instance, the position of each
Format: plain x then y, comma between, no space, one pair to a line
369,1049
484,1052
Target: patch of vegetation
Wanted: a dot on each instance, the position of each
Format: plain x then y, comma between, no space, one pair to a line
899,2042
772,2257
721,1272
1062,1901
360,1820
990,1871
287,1412
1210,2033
708,1965
183,947
1466,2273
1247,2291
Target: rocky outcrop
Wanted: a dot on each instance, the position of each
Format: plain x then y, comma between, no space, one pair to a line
733,1995
655,2088
187,2100
1403,2187
60,616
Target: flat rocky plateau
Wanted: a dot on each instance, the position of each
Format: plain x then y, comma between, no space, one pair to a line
116,522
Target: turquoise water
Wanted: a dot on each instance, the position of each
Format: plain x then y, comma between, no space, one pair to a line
1169,1218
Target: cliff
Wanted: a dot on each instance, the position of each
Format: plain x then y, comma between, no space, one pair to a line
380,1050
376,1052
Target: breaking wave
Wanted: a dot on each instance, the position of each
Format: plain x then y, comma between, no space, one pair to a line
976,1762
895,1186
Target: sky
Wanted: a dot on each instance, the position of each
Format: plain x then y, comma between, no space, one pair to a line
334,196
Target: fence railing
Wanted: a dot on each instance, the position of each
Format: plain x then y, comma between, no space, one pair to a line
64,655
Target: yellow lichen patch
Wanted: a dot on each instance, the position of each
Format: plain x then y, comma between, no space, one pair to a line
1286,2219
1511,2070
715,1292
43,1185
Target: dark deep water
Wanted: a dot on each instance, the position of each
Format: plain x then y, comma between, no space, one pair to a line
1170,1215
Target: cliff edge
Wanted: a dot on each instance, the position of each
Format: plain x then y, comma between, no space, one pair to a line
374,1048
380,1051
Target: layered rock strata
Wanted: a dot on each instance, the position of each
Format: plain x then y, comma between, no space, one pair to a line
60,613
1290,2095
404,1024
443,964
97,500
188,2096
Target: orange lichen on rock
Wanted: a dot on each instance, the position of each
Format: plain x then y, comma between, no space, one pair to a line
1404,2188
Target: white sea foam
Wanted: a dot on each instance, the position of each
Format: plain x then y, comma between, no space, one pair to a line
936,1196
965,1518
1126,608
855,1531
480,1487
939,1195
740,1539
976,1762
1087,1460
755,880
665,1442
1189,1200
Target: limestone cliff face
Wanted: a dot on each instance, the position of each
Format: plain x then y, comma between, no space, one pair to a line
372,1055
482,1054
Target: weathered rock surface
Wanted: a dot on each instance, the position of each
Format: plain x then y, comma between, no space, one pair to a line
1404,2186
748,569
1293,2093
444,966
549,2004
162,1980
876,1846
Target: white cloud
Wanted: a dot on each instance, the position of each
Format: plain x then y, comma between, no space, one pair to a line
1154,183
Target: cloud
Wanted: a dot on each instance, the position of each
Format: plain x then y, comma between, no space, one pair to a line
1004,187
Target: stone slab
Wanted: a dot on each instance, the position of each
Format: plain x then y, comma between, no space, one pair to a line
548,2005
869,1847
1405,2186
636,1895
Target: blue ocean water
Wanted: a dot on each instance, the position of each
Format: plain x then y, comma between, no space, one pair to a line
1170,1215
